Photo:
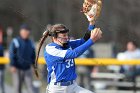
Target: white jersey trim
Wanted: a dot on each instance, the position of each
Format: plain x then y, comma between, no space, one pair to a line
75,40
53,76
55,52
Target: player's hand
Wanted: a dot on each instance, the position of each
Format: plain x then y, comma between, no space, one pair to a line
96,34
13,69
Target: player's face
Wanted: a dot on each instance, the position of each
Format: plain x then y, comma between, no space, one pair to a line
24,33
63,37
130,46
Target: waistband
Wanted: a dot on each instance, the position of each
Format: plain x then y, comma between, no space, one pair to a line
67,83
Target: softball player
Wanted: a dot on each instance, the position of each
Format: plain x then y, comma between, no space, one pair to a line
60,54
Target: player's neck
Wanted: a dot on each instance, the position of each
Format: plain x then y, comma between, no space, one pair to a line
59,43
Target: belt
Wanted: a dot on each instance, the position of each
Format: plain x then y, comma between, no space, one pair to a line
67,83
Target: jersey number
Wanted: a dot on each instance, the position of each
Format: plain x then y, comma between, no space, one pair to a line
70,63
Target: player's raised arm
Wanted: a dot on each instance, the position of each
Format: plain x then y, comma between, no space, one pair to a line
95,35
78,42
69,53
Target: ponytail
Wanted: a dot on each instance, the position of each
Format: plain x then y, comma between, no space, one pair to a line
45,35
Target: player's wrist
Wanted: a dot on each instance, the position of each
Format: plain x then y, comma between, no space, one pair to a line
92,22
91,40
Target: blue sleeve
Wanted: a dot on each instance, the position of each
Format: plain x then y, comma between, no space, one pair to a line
91,27
87,34
70,54
76,43
12,54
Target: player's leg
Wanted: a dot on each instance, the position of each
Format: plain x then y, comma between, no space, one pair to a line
56,89
28,80
78,89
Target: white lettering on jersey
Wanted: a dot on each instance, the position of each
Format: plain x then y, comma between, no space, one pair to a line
70,63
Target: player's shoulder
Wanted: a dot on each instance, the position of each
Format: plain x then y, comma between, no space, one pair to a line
51,45
54,50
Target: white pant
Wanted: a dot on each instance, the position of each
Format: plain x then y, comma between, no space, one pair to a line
74,88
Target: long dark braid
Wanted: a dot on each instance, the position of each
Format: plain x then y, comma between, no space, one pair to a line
45,35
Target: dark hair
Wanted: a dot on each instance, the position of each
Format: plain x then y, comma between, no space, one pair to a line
133,42
58,28
48,32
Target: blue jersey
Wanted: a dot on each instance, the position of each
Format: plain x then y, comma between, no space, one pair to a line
60,60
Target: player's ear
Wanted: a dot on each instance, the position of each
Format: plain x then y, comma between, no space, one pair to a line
52,38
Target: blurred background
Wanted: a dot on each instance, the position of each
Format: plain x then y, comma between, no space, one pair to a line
119,21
